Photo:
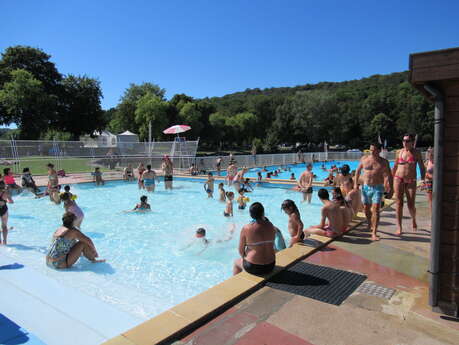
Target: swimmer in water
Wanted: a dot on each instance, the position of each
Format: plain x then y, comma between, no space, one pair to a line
241,200
222,192
71,206
209,185
229,204
97,175
143,206
200,237
149,179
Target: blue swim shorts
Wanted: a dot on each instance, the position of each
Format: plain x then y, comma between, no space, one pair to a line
372,194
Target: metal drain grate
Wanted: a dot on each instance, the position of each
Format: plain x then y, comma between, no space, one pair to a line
321,283
376,290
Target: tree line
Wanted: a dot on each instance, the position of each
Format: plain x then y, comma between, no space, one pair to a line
45,104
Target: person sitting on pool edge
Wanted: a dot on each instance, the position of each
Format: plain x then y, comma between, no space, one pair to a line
143,206
332,223
29,183
69,244
256,244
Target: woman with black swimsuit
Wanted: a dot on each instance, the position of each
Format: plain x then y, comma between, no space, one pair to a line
4,198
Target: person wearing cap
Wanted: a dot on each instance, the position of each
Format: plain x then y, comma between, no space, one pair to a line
168,170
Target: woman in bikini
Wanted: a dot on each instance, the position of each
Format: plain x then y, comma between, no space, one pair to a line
404,172
140,170
295,225
256,244
53,184
69,244
428,182
4,198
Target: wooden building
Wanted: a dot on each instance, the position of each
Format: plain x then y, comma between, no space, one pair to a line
436,75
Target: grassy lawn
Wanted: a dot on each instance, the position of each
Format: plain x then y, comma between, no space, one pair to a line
37,165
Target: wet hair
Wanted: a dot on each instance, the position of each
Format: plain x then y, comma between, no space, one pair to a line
221,184
201,231
247,180
25,170
209,174
345,169
67,188
143,198
290,204
50,165
377,146
241,190
338,195
67,219
323,194
6,171
229,194
309,165
65,196
257,211
148,167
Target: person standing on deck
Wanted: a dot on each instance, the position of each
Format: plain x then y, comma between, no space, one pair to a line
377,171
404,171
428,182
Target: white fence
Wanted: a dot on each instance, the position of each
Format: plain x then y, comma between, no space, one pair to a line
70,154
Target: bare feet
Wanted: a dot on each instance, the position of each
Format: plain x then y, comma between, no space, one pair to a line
398,232
375,237
415,226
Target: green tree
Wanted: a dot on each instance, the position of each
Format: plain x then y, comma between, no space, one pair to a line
124,118
27,104
151,107
82,112
191,115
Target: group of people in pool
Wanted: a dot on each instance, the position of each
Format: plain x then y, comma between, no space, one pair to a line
257,242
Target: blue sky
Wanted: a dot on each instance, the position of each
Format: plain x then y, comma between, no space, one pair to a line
212,48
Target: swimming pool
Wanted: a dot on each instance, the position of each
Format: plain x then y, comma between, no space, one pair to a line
298,169
148,268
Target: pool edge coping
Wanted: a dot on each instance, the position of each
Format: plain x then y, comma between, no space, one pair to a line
195,311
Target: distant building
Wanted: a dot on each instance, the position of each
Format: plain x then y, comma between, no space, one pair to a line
100,139
127,137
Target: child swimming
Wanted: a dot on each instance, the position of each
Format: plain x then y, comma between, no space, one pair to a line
71,206
143,206
222,192
209,185
242,199
229,204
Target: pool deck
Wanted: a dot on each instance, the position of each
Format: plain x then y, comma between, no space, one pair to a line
241,310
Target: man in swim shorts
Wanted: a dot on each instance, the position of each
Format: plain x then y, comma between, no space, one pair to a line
305,183
377,174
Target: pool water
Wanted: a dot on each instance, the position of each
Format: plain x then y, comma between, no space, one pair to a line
149,267
298,169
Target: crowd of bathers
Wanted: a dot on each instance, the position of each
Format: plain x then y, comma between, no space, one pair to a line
346,194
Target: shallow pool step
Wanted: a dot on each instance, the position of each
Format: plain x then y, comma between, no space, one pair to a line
56,314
